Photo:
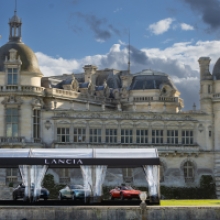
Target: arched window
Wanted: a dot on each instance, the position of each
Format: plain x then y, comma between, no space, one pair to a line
189,170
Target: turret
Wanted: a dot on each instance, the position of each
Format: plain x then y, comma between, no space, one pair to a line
89,71
15,28
206,85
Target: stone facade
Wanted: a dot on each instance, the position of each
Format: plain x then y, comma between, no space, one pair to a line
108,109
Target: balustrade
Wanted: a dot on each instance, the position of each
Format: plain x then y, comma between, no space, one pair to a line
152,98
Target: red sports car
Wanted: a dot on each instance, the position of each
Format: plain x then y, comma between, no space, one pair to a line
124,192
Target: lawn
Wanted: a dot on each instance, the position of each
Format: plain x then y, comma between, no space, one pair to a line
201,202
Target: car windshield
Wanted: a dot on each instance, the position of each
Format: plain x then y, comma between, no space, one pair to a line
76,187
126,188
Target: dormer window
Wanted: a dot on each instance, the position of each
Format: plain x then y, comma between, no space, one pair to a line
12,76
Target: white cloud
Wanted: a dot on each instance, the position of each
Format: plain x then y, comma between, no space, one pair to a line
161,26
117,10
180,61
186,27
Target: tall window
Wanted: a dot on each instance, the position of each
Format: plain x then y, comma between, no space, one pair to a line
12,175
172,136
157,136
36,124
12,76
188,170
12,122
63,135
79,135
111,135
95,135
126,136
187,137
141,136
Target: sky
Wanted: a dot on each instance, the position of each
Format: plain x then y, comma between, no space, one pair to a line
165,35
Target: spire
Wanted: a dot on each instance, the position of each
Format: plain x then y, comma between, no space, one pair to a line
15,26
129,58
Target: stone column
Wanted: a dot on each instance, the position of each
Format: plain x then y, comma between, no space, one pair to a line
150,133
165,133
87,131
134,133
195,134
103,132
119,132
180,133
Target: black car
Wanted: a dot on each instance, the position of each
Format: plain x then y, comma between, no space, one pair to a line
19,192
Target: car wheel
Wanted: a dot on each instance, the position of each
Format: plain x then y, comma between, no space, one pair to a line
122,196
111,197
60,197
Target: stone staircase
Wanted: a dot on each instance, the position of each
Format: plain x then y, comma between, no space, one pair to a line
217,174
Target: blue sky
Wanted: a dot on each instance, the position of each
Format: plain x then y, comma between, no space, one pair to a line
166,35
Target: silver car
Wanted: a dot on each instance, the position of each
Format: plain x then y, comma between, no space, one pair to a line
74,192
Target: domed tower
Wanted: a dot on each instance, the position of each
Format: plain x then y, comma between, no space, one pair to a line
206,85
18,63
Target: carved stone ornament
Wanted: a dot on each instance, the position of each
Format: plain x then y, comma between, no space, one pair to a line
47,124
200,128
12,100
62,114
37,102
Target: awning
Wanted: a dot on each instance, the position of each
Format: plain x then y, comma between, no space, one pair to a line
67,157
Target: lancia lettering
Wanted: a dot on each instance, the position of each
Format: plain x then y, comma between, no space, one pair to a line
63,161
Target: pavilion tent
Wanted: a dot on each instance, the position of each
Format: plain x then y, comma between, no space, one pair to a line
93,175
151,171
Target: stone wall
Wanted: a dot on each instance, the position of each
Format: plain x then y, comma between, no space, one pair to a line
109,213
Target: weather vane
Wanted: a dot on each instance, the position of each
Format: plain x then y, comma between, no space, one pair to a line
15,5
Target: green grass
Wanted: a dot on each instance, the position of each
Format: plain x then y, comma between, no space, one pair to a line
201,202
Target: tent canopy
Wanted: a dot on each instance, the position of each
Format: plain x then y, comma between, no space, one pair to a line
76,157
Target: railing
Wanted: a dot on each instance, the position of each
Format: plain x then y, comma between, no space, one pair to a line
180,148
61,93
152,98
216,96
11,139
28,89
37,140
73,94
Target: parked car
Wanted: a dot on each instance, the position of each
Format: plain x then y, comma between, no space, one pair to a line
124,192
74,192
19,192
